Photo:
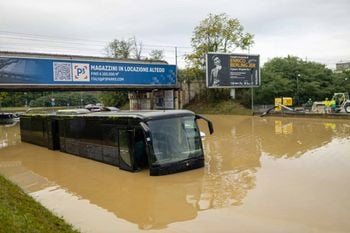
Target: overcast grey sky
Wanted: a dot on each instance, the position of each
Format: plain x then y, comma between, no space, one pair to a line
318,30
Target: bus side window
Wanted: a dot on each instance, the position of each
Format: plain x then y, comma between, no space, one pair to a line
111,147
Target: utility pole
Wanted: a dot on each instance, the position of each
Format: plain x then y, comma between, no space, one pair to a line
251,85
176,57
176,77
252,89
298,76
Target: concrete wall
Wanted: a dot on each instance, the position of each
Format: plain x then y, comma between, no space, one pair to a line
188,90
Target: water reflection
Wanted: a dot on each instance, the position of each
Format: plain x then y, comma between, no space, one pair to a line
234,151
149,202
233,158
292,138
9,135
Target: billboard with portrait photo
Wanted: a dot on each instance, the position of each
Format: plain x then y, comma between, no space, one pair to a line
232,70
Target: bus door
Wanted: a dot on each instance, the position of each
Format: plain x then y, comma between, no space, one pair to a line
148,150
139,148
126,160
53,134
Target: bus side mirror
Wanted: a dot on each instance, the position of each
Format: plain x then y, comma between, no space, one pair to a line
147,131
210,124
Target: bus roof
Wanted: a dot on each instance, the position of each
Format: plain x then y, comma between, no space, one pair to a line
144,115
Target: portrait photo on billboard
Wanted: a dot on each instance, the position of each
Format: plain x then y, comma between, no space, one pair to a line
218,72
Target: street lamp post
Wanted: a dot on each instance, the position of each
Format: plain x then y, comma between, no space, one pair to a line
298,76
25,100
252,89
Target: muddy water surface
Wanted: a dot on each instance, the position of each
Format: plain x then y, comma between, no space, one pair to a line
261,175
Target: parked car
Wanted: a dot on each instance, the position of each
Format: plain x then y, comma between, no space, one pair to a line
8,118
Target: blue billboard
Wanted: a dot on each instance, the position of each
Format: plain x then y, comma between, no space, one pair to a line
36,71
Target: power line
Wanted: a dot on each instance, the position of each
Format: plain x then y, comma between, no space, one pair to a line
54,37
20,40
54,46
72,40
45,40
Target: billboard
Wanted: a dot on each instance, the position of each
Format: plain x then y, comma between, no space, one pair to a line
232,70
52,72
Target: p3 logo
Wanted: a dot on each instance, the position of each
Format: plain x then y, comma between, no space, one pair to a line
81,72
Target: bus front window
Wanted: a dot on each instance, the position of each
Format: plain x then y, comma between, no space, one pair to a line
175,139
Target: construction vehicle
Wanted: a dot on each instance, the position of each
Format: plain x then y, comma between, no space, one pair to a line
280,103
342,104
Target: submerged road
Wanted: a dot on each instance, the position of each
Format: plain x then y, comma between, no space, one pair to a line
261,175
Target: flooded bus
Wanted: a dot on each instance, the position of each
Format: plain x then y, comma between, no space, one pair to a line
164,141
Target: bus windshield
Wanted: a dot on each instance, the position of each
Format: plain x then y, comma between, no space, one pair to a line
175,139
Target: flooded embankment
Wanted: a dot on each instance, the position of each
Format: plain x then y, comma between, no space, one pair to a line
261,175
342,115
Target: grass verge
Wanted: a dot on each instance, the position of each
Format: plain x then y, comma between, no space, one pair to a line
21,213
225,107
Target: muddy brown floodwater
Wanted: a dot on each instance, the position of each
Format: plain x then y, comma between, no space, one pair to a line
261,175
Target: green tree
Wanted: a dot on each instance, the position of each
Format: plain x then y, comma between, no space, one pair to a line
120,49
117,98
65,99
293,77
3,96
341,81
156,54
218,33
189,74
12,99
137,47
125,49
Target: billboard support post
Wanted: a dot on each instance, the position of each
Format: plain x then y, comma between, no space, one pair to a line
252,90
233,93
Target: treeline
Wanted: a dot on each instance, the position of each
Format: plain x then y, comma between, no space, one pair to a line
66,98
300,79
